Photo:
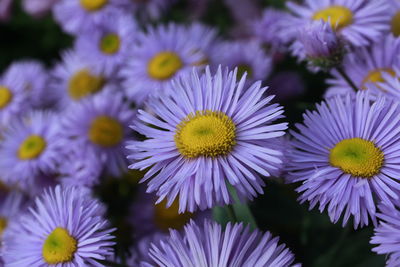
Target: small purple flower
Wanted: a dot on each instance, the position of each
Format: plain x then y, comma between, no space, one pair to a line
345,156
210,131
65,227
209,246
387,234
318,43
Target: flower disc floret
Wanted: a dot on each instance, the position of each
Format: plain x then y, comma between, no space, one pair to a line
338,16
59,247
206,133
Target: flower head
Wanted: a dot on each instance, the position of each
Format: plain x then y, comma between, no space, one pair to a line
65,227
161,54
210,131
318,43
208,245
359,22
30,148
387,234
99,124
344,154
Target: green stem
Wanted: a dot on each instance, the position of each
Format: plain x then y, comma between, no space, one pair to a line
347,78
231,213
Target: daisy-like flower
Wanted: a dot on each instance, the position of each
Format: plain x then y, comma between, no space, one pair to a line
99,124
29,148
64,228
77,78
160,55
387,234
320,45
11,207
208,246
366,66
34,78
345,155
76,16
247,56
358,21
390,84
210,132
110,42
14,100
270,27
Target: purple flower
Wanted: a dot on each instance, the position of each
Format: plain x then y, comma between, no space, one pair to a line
211,131
318,43
208,245
345,156
360,22
38,8
100,124
65,227
387,234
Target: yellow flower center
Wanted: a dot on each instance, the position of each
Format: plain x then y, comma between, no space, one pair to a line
375,76
93,5
59,247
31,147
242,68
3,225
164,65
206,133
396,24
110,43
83,83
166,218
338,16
5,97
106,131
358,157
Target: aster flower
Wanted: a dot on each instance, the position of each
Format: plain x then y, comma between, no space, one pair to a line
211,130
366,66
35,80
387,234
247,56
160,55
110,42
359,22
99,124
5,10
345,155
77,78
29,147
75,16
11,207
13,99
318,43
208,245
270,27
390,84
65,227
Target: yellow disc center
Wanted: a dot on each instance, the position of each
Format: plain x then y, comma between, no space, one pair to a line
93,5
338,16
110,43
164,65
106,131
358,157
242,68
375,76
206,133
3,225
32,147
59,247
83,83
395,24
5,97
166,218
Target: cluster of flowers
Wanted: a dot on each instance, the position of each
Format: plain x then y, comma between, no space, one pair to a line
189,108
